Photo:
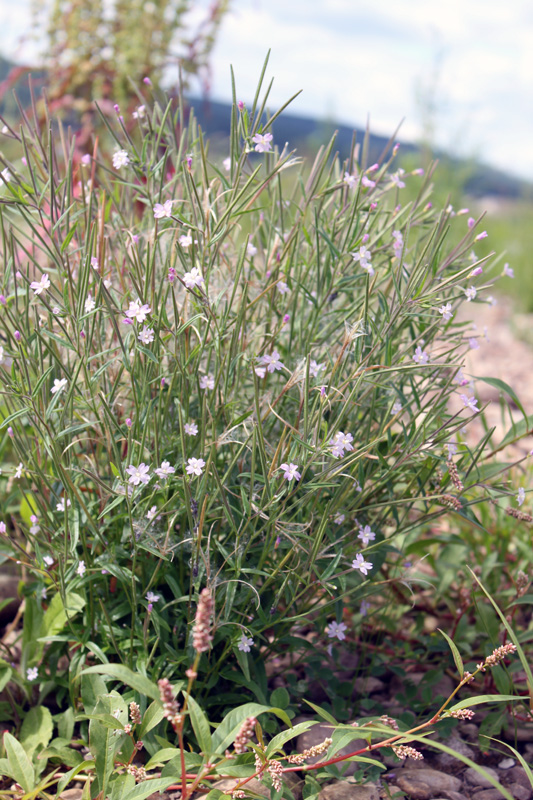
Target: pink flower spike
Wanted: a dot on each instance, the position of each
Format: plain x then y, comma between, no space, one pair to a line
290,471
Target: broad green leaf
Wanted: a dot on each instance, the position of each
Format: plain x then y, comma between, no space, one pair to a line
5,676
226,732
285,736
146,788
321,713
162,756
133,679
455,653
36,729
57,614
200,726
151,717
19,764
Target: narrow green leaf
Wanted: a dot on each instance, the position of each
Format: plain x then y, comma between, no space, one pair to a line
133,679
285,736
455,653
486,698
322,713
151,717
200,726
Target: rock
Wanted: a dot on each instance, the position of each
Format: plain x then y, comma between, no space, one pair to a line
522,733
227,784
449,795
507,763
518,775
489,794
368,685
342,790
473,777
317,734
415,789
440,782
71,794
445,760
8,591
469,730
520,792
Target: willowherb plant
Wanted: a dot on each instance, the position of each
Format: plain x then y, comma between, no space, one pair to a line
223,375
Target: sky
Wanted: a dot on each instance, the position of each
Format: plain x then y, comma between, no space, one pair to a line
457,71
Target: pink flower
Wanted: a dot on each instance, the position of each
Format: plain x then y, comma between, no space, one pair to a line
193,278
40,286
263,142
470,402
420,356
138,311
335,630
508,271
163,210
164,470
290,471
272,362
191,428
138,474
245,643
366,535
207,382
360,564
195,466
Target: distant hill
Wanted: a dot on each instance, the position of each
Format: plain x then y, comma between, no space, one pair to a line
304,133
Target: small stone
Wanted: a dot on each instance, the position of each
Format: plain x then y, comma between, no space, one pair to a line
71,794
522,733
519,775
489,794
445,760
368,685
228,784
342,790
469,730
449,795
474,778
520,792
440,782
507,763
416,790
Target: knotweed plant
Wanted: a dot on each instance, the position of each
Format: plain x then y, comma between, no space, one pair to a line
228,373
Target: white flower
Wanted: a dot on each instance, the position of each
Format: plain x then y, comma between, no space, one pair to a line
81,569
363,256
282,287
260,372
139,113
341,442
94,263
350,180
246,642
146,336
207,382
251,250
195,466
6,176
59,385
61,505
185,240
32,673
120,159
164,470
40,286
18,471
152,598
339,519
163,210
335,630
314,368
360,564
191,428
446,312
227,164
138,474
152,513
470,293
397,407
35,527
48,560
193,278
521,496
90,303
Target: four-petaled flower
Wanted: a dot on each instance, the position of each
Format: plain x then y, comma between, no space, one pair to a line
40,286
90,303
336,630
272,362
360,564
191,428
251,250
341,442
366,535
350,180
18,471
164,470
138,311
470,402
193,278
470,293
146,336
207,382
63,504
521,496
81,568
282,287
397,407
151,597
263,142
151,513
32,673
162,210
314,368
420,356
446,312
245,643
138,474
363,256
59,385
185,240
195,466
290,471
120,159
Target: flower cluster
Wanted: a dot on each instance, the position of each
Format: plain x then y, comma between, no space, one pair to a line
246,731
170,704
404,751
202,636
311,752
